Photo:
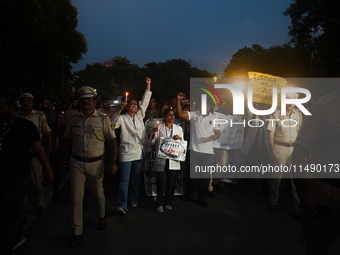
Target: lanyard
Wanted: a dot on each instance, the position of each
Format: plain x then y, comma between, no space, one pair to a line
166,132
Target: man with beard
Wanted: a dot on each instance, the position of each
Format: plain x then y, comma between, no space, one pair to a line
17,136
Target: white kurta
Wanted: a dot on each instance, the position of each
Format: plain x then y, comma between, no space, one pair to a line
133,137
162,132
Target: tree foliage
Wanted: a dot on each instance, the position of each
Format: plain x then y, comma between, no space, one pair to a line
173,76
168,78
38,41
315,26
283,61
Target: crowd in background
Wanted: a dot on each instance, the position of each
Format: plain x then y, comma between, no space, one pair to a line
84,136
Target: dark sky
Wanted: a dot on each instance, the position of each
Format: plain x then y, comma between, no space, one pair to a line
205,32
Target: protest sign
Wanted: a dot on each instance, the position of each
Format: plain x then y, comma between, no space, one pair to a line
172,149
263,85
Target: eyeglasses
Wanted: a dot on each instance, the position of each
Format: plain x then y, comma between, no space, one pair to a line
133,105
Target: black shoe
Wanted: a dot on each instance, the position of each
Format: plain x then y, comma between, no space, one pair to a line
39,210
203,203
102,223
75,241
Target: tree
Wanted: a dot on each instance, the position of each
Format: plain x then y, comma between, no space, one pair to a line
112,81
171,77
315,25
168,78
38,41
283,61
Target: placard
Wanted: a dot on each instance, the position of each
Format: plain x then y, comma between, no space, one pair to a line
263,85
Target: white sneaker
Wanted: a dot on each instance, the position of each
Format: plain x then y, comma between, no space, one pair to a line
22,240
159,209
121,211
168,207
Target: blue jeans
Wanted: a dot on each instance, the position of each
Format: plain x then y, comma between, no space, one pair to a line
127,169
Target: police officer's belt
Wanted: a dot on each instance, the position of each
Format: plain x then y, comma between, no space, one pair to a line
285,144
86,159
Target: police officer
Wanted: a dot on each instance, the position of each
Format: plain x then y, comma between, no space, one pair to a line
283,130
86,132
26,101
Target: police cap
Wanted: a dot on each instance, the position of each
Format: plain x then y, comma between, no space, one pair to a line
86,92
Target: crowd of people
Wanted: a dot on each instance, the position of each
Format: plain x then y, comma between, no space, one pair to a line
85,137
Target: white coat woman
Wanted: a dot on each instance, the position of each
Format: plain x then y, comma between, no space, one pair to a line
167,169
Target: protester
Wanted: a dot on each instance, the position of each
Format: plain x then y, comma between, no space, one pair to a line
164,106
134,144
106,106
152,111
87,132
17,138
167,169
203,133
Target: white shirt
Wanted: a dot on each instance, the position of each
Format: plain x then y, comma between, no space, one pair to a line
201,128
163,131
133,137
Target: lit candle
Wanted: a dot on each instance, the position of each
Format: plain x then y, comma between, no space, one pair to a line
126,94
157,123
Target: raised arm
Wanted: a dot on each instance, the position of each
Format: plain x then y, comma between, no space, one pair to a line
146,97
148,83
115,116
180,113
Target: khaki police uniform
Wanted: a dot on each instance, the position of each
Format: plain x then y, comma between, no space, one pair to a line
87,160
39,120
320,135
284,139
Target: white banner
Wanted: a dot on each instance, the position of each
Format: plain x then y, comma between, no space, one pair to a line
232,132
